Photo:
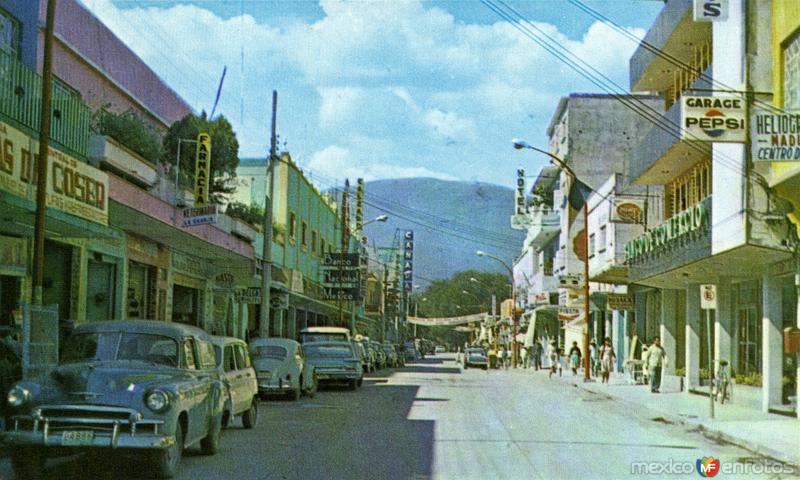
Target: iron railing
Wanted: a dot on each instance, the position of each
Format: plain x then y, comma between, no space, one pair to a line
20,103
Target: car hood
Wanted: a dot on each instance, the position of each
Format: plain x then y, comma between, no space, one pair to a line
108,383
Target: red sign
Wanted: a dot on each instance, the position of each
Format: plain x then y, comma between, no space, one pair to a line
579,245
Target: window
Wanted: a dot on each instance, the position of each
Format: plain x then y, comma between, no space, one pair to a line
321,247
791,74
591,245
601,240
688,189
292,226
303,234
313,242
188,354
228,362
242,360
207,355
9,33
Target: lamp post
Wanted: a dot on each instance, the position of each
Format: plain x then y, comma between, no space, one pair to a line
519,145
513,305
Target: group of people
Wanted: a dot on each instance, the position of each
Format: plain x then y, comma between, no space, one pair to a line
601,361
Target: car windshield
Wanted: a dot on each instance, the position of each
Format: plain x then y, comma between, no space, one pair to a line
83,347
308,337
332,351
269,351
475,352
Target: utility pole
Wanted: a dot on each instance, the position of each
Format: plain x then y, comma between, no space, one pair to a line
42,160
345,245
266,251
383,301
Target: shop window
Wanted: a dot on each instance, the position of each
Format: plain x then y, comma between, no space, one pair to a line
791,74
9,33
292,226
688,189
313,242
304,234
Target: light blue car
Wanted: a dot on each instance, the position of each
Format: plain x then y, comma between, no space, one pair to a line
281,368
335,362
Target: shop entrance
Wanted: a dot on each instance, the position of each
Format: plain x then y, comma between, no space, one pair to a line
749,329
57,285
10,291
185,304
100,291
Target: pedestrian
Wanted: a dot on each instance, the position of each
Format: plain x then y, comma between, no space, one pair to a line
526,357
504,357
594,364
574,358
492,354
607,359
654,362
537,351
555,359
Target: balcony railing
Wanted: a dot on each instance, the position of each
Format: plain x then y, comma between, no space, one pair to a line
21,103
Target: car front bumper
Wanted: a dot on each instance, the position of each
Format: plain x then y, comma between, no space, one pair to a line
272,387
337,375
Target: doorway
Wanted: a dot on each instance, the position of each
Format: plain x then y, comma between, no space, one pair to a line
57,284
100,291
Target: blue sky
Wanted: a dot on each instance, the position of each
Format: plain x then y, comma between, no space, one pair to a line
379,89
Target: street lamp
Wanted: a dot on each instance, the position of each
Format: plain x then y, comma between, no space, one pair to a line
519,145
379,218
481,253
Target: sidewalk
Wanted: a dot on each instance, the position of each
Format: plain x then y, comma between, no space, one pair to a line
771,435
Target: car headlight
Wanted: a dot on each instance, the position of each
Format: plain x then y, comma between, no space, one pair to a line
157,401
18,396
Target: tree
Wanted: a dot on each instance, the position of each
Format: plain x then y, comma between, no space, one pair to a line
224,152
129,129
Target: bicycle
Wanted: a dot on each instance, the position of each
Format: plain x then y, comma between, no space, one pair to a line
723,385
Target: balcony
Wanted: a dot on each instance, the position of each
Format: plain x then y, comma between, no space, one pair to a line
545,225
661,155
21,104
674,33
108,154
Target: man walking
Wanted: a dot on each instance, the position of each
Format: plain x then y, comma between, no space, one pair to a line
654,362
536,353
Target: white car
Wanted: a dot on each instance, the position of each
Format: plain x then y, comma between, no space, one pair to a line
281,368
439,349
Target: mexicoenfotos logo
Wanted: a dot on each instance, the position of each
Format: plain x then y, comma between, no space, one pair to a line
707,466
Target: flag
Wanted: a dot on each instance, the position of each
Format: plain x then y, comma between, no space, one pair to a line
578,193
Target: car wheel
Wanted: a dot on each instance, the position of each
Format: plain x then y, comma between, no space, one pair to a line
360,381
28,463
313,390
486,367
353,384
167,460
466,366
226,419
250,417
210,444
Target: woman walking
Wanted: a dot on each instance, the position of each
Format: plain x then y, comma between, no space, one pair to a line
607,359
574,358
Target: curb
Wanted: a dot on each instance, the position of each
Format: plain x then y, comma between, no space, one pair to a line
705,430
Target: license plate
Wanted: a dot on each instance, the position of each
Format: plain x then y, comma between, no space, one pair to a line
80,437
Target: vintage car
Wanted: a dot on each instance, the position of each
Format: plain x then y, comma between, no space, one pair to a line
368,362
334,362
380,355
143,387
239,377
281,367
325,334
391,355
475,357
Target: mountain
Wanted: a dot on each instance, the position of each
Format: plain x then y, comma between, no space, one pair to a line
451,220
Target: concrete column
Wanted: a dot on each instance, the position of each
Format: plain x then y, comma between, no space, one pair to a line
771,342
668,328
724,327
619,337
694,324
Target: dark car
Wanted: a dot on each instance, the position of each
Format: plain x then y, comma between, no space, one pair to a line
144,387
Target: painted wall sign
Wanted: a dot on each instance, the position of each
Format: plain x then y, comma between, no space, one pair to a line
620,301
711,10
202,170
713,119
73,186
627,210
689,220
776,137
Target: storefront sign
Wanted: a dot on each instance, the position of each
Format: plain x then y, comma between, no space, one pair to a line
689,220
711,10
200,215
72,186
247,295
408,261
541,298
347,294
224,280
202,170
188,264
568,314
620,301
713,119
776,137
340,260
627,210
359,204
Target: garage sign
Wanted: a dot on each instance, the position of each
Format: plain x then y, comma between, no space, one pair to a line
713,119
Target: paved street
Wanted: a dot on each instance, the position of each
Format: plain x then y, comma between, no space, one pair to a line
433,420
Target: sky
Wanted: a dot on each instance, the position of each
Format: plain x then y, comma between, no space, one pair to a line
380,89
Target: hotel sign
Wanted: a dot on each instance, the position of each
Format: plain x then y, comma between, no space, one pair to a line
713,119
776,137
73,186
692,219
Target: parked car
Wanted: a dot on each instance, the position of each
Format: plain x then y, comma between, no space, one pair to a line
476,357
335,362
439,349
409,352
121,385
239,377
380,355
391,355
363,354
370,356
325,334
281,367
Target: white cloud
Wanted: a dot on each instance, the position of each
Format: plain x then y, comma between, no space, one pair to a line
449,124
336,162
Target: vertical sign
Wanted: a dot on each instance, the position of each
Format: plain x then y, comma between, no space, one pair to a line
202,168
359,204
408,260
519,197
